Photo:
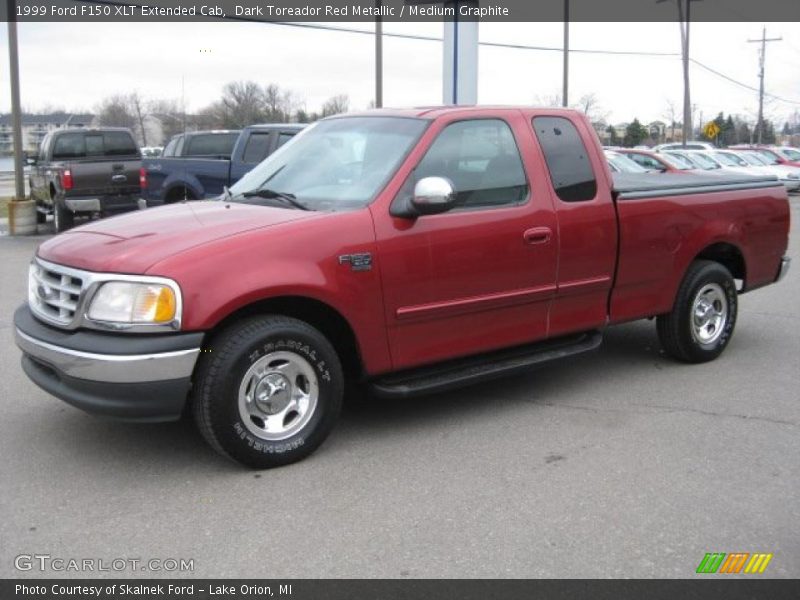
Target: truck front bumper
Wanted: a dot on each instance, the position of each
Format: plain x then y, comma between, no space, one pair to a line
131,377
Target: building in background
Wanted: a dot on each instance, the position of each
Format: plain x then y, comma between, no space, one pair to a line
35,127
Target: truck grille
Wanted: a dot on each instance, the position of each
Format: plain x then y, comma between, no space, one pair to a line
54,292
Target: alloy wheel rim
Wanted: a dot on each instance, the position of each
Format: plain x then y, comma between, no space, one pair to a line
709,314
278,395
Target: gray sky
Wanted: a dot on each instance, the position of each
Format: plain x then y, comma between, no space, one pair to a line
75,65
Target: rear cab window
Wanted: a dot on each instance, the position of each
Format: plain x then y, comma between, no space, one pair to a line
211,144
567,159
94,144
69,145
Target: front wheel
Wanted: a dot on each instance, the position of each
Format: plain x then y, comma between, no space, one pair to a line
268,391
702,320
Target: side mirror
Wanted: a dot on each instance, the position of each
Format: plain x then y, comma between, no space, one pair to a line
433,195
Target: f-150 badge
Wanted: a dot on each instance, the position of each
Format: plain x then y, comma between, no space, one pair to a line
361,261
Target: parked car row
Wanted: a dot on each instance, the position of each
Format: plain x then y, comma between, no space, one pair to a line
102,172
780,162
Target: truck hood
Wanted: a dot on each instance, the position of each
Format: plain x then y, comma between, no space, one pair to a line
134,242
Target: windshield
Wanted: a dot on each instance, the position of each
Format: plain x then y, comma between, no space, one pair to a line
704,161
754,159
679,161
768,157
624,164
334,164
790,153
725,159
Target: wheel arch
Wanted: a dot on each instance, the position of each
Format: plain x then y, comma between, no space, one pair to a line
320,315
729,256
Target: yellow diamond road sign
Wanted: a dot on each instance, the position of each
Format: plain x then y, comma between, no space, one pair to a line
711,130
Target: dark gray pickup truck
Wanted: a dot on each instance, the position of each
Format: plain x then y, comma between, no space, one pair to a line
85,171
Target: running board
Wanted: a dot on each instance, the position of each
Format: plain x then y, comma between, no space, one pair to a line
466,371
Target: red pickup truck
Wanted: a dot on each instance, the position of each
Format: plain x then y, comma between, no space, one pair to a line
408,250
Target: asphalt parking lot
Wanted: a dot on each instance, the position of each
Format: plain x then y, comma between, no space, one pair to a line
619,464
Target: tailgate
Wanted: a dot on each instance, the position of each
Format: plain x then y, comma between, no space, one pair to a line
106,176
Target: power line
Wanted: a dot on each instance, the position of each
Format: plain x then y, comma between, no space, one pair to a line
428,38
741,84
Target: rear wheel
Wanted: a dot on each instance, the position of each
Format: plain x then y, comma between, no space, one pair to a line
63,218
701,323
268,392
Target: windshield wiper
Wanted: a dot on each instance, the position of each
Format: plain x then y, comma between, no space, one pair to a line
268,194
226,194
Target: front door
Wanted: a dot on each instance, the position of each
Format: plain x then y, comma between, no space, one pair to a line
482,275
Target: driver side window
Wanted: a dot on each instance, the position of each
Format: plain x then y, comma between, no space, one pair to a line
482,160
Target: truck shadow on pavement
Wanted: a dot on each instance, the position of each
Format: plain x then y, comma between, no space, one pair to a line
629,350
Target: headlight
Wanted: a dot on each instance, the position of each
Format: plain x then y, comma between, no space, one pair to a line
135,303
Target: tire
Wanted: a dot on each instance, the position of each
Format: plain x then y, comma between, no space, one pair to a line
703,318
249,383
63,218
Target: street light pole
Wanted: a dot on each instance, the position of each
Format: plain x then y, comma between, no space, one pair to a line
378,58
687,104
565,91
16,110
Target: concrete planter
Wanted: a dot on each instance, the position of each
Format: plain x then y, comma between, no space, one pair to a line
22,217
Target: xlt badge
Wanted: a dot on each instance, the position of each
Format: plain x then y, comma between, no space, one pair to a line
361,261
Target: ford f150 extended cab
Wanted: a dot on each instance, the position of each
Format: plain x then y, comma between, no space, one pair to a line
411,251
201,164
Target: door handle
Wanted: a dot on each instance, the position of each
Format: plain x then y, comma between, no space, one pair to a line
537,235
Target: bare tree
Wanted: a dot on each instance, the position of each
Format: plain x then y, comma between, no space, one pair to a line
590,106
115,111
242,104
549,100
670,115
336,105
279,105
169,114
139,109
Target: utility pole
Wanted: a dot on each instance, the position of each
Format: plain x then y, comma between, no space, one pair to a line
565,91
684,18
16,110
761,59
378,57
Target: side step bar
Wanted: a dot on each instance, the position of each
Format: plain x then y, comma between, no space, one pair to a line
466,371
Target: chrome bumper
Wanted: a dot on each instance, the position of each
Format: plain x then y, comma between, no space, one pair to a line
83,204
110,368
784,268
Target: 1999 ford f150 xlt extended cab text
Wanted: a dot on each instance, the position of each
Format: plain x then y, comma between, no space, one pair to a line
411,251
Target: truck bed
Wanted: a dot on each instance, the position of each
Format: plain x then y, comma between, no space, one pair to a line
632,185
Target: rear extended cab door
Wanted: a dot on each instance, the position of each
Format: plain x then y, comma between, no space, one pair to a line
579,183
481,276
